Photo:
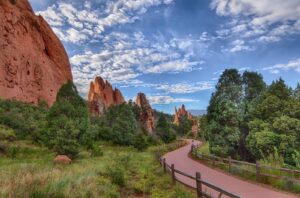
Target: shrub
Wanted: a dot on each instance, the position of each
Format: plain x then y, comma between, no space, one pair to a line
96,151
4,147
7,133
140,142
117,175
13,151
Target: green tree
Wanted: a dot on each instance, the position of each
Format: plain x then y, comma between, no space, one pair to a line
164,131
203,128
122,123
224,133
68,122
296,92
184,126
224,114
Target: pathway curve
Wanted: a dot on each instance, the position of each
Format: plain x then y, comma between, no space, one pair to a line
232,184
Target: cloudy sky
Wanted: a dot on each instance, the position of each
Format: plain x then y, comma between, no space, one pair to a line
175,50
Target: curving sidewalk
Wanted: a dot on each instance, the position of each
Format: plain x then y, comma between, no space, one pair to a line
232,184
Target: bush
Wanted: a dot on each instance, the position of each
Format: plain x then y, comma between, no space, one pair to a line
117,175
96,151
4,147
140,142
13,151
7,133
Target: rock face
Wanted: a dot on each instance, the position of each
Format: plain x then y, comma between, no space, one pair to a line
183,112
62,159
33,62
102,95
146,115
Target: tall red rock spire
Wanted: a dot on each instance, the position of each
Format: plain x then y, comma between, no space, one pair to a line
33,62
146,115
102,95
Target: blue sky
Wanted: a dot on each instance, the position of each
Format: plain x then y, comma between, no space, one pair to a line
175,50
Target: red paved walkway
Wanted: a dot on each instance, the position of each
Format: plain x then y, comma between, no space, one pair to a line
229,183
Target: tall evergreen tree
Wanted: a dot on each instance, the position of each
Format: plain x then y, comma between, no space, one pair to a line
223,114
163,130
68,121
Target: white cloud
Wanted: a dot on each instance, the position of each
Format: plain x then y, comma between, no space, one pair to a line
291,65
239,45
124,57
174,66
65,17
158,99
184,88
259,20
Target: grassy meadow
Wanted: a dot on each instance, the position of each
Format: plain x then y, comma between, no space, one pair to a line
118,172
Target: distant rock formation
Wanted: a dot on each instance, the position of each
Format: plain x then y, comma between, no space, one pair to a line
147,114
183,112
102,95
33,62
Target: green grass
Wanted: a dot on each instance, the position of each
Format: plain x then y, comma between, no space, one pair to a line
204,148
32,173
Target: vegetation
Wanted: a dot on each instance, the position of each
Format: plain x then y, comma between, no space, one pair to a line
120,172
164,130
110,154
256,120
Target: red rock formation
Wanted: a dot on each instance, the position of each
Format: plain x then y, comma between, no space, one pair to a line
33,62
62,159
182,112
102,95
147,115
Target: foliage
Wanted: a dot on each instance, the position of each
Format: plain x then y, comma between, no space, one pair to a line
31,174
223,127
140,142
164,130
67,122
96,151
257,120
203,128
25,119
121,125
7,133
117,174
184,126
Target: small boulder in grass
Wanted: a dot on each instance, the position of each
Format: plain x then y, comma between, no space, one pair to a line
62,159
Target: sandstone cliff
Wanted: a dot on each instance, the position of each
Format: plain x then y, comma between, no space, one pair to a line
102,95
146,115
33,62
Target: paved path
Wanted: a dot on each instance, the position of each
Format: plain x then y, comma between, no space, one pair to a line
229,183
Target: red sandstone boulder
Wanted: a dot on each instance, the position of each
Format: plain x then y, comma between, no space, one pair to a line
62,159
146,115
102,95
33,62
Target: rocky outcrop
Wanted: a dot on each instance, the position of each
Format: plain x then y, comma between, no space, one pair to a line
102,95
33,62
62,159
183,112
146,114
